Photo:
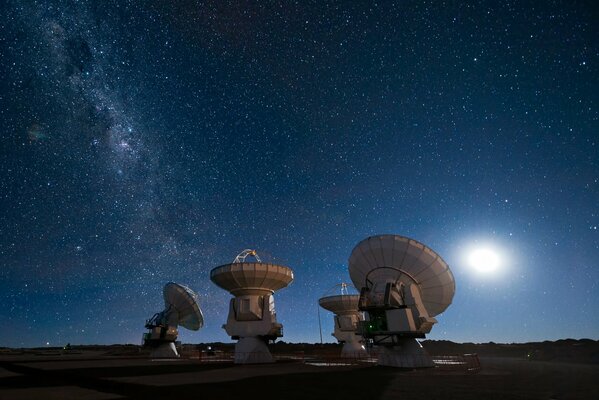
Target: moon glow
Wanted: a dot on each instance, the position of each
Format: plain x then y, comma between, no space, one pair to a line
484,260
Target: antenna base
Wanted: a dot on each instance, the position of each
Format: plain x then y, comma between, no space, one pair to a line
165,350
252,350
408,354
353,350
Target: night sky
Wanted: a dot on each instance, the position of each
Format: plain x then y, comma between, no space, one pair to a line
144,142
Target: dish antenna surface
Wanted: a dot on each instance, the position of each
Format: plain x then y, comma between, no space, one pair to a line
181,307
403,285
252,319
347,318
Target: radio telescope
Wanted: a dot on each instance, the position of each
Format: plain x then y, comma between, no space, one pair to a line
403,285
181,307
347,318
252,320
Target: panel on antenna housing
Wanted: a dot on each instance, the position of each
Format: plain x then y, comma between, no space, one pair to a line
410,262
429,274
367,252
361,268
447,296
376,250
387,244
399,249
427,258
443,279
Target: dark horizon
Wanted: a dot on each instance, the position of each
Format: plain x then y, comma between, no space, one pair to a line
283,342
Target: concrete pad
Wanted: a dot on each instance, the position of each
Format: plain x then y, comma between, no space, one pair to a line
102,363
29,356
233,373
56,393
4,373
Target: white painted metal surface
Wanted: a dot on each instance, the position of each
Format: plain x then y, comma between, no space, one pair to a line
403,284
395,258
347,318
186,304
181,307
252,318
251,277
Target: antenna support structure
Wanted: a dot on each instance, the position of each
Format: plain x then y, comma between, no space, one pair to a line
347,320
181,307
252,319
244,254
403,285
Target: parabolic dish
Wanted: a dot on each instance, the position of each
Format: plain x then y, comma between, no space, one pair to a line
341,303
392,257
185,302
242,276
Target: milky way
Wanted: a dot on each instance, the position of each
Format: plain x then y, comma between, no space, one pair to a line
147,142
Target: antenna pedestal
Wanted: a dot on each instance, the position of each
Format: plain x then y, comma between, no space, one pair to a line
345,332
407,354
165,350
354,349
252,350
347,320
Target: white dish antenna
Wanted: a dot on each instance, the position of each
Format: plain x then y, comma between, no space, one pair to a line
403,285
181,307
395,258
340,299
185,303
251,277
252,317
340,304
347,318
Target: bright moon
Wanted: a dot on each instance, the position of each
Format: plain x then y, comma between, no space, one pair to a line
484,260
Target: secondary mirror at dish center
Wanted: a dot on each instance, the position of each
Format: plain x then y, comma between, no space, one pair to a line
403,285
252,319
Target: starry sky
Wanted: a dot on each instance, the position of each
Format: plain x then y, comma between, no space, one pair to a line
144,142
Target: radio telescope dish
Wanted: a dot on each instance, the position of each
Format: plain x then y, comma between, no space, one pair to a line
181,307
403,284
347,318
340,304
186,302
252,318
403,260
251,277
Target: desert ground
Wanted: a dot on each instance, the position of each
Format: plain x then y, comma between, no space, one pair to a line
545,370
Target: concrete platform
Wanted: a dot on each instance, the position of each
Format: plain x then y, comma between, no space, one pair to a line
109,377
55,393
4,373
228,374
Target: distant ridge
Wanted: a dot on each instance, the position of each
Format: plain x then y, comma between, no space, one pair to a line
585,351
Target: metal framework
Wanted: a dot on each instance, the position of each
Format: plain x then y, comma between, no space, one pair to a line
244,254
